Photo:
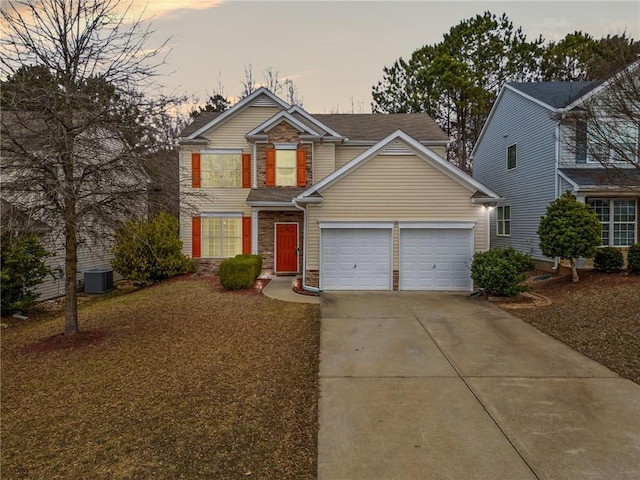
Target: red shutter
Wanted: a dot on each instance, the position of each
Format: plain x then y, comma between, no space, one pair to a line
301,164
196,237
195,170
246,235
246,170
270,179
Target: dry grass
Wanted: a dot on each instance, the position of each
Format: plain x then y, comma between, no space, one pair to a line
599,316
178,380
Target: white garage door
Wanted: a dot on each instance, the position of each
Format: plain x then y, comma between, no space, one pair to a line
435,259
355,259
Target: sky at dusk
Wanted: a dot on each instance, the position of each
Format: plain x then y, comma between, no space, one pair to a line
335,51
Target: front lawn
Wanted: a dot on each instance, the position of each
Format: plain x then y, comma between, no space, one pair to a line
179,380
598,316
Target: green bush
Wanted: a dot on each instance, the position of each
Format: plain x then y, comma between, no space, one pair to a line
501,271
240,271
23,268
633,258
150,250
608,260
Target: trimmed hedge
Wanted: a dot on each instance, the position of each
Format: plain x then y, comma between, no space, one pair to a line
633,259
501,271
608,260
240,271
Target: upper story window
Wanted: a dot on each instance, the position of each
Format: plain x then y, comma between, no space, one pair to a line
503,221
606,142
618,220
221,169
286,166
511,157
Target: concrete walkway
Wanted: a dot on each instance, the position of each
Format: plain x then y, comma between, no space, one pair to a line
441,386
281,288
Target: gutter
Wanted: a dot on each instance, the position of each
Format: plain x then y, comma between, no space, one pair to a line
305,287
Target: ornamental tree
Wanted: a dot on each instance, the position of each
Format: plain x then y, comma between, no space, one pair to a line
569,230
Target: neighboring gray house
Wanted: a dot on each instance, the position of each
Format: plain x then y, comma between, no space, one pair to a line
529,155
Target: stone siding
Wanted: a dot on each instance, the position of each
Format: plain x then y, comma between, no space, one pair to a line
266,235
313,278
282,133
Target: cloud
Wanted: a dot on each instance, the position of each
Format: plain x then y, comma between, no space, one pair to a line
158,8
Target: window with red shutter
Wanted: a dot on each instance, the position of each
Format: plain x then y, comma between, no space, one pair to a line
246,170
301,167
270,179
196,239
195,170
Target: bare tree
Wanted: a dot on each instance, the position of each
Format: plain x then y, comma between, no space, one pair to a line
272,81
291,89
249,84
604,128
77,127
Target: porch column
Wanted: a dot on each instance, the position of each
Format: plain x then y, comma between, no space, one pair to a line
254,230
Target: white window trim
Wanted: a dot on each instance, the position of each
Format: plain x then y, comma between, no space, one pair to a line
218,215
507,163
503,220
611,223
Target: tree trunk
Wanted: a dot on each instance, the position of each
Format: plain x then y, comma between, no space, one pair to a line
574,271
71,260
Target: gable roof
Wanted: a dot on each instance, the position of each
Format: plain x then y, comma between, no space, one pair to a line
231,112
282,116
554,94
200,121
376,126
420,150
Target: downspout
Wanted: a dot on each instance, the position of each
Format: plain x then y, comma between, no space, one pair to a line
556,260
305,287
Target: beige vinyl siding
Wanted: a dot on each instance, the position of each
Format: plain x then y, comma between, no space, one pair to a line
438,150
323,161
394,188
93,258
231,133
346,153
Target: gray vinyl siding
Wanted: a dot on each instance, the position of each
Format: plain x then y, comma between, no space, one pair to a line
530,186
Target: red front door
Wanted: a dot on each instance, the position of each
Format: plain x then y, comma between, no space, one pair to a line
286,247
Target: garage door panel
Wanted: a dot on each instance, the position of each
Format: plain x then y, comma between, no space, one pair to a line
355,259
435,259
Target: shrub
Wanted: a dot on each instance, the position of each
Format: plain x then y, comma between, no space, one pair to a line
608,260
151,250
633,258
240,271
501,271
23,268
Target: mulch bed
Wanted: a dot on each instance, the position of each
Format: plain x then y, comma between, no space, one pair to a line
598,316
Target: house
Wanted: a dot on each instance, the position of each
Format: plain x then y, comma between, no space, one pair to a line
347,201
540,140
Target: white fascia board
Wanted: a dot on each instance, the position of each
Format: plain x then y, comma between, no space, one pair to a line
222,151
315,121
192,141
439,224
486,122
308,200
277,118
355,224
569,180
529,97
238,107
423,152
270,204
629,68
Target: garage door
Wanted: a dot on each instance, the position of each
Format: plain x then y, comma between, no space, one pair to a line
435,259
355,258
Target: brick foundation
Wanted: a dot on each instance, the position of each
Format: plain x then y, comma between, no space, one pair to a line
396,280
208,266
313,278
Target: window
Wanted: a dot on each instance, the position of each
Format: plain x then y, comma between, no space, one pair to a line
221,236
618,220
611,142
511,157
503,220
286,168
221,169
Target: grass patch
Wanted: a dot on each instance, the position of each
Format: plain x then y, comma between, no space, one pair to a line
178,380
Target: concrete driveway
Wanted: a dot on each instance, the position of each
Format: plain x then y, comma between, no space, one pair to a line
441,386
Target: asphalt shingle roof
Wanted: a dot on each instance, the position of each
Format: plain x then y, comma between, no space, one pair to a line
274,194
594,177
359,126
556,94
